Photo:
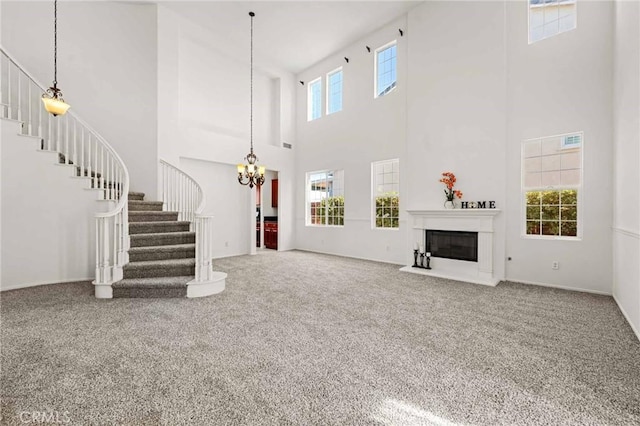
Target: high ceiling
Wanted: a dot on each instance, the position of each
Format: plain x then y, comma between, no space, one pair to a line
292,34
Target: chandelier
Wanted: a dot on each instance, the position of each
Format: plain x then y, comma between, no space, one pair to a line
250,173
53,101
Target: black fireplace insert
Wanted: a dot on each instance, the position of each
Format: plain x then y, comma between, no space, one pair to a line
459,245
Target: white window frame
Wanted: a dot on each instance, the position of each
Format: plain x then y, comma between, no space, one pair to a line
374,193
579,188
328,90
310,98
375,69
550,36
307,201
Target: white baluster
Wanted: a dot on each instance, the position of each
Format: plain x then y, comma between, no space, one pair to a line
30,100
19,98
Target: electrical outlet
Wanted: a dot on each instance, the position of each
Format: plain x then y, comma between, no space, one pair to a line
555,265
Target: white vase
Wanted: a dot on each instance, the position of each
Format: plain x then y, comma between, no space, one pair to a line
449,205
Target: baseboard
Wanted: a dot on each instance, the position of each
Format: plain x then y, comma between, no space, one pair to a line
37,284
582,290
351,257
627,317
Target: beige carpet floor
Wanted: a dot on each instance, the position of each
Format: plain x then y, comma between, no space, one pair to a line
307,339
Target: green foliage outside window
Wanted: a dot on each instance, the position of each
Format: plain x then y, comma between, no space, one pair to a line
387,210
330,211
553,213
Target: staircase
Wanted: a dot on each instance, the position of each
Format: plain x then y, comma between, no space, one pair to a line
162,254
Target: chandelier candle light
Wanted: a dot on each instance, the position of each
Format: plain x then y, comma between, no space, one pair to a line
449,179
251,174
52,99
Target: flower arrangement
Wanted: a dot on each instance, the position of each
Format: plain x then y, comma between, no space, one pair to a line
449,179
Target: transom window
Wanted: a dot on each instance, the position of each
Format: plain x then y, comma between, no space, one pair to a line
314,100
334,91
552,185
325,198
386,193
386,65
550,17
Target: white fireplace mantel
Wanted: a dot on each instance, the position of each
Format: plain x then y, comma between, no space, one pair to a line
470,220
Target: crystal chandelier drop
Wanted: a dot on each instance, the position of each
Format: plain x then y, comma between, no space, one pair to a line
53,101
250,173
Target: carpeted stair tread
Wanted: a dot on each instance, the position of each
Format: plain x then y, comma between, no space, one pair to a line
177,251
153,216
158,287
162,239
158,227
139,205
136,196
155,282
160,268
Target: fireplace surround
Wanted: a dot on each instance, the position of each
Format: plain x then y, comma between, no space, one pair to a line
478,221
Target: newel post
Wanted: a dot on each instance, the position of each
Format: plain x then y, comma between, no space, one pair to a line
204,248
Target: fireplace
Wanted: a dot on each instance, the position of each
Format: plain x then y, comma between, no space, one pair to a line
458,245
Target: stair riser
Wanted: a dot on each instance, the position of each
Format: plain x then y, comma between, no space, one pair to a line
162,255
136,197
134,228
162,241
150,217
146,206
170,271
149,292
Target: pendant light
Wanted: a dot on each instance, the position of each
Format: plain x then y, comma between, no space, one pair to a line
250,173
52,99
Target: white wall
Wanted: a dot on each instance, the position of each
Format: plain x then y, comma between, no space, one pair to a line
456,107
227,203
48,223
559,85
366,130
626,180
106,70
203,110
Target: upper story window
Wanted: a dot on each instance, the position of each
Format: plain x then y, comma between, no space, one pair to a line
550,17
325,198
386,193
385,66
314,99
334,91
552,186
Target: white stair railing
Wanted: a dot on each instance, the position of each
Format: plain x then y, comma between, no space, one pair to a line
181,193
80,146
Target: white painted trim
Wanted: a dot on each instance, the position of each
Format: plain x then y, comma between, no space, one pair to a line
626,232
207,288
627,317
36,284
582,290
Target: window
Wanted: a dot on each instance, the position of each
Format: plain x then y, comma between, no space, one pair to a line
325,198
386,193
550,17
385,69
314,100
552,185
334,91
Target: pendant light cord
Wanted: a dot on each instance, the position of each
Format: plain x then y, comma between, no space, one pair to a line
55,43
251,85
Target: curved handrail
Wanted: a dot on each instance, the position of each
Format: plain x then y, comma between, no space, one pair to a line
125,191
201,198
